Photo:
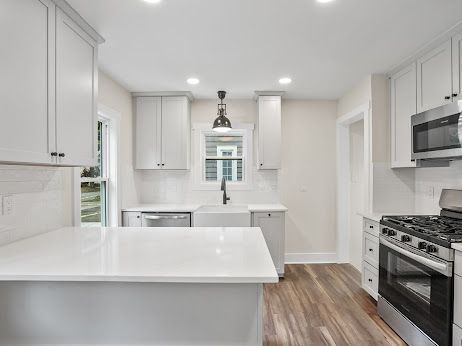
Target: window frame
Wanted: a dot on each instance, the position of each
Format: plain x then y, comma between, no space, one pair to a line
198,163
103,179
220,150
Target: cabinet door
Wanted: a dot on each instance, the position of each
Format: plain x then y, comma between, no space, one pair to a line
272,226
148,132
434,78
27,132
456,65
403,105
76,89
176,130
269,132
131,219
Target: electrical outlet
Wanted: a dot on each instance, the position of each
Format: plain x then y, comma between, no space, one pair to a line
8,205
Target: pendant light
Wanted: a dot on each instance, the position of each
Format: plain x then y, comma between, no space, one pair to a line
221,123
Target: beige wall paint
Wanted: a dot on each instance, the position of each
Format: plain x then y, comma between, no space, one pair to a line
360,94
357,180
114,96
308,163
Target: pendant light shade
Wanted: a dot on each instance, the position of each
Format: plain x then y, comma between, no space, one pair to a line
221,123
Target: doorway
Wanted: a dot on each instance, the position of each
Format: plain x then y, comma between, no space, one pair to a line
354,181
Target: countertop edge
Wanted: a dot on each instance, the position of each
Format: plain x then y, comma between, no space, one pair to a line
190,208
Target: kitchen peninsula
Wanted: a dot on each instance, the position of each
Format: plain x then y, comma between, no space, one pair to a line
135,286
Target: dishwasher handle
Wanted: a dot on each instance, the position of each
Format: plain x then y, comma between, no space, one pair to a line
165,217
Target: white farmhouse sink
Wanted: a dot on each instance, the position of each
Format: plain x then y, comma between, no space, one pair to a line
222,216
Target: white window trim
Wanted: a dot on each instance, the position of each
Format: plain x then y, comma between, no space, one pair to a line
114,218
199,130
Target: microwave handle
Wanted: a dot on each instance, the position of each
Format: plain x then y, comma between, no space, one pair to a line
442,268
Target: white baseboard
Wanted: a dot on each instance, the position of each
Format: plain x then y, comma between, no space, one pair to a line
321,257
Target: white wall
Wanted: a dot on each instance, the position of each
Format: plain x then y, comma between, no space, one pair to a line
307,178
114,96
357,191
42,200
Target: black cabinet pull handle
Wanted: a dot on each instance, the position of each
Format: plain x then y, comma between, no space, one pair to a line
371,250
371,226
54,153
370,280
447,97
61,155
158,164
454,95
163,164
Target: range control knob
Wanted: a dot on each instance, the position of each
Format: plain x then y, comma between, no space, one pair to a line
391,232
432,248
405,238
422,245
384,230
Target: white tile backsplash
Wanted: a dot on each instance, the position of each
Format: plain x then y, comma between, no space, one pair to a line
40,198
178,187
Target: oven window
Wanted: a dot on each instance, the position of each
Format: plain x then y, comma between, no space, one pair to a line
420,293
440,134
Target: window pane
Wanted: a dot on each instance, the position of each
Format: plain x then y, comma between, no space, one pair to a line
95,172
223,146
93,203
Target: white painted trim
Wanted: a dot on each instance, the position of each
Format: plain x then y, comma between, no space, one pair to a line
343,175
310,257
188,94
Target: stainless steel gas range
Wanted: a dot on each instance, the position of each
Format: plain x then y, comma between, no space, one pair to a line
416,272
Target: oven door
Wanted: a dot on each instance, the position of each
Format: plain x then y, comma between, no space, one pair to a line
437,133
420,287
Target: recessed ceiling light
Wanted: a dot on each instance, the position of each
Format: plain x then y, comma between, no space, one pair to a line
285,80
193,81
152,1
324,1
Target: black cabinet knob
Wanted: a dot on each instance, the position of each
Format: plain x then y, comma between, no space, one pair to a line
370,280
261,164
163,164
447,97
454,95
371,226
54,153
269,215
61,155
158,164
371,250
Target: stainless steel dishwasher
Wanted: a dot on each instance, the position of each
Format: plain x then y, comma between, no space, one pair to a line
165,219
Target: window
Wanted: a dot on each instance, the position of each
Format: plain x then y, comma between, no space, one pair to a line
94,182
219,156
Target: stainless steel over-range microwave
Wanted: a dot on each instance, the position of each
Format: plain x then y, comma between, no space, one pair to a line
437,133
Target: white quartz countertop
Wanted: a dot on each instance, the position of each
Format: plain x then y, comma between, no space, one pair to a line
184,255
457,246
190,208
377,216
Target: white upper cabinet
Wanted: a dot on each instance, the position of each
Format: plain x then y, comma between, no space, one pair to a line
434,78
269,132
76,89
48,85
163,128
27,81
403,86
148,132
176,129
456,65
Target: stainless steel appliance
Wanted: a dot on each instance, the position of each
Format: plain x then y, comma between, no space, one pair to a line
416,272
437,133
165,219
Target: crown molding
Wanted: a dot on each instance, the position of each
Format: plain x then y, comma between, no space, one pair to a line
188,94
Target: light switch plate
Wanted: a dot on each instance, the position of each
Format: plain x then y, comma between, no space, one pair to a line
8,204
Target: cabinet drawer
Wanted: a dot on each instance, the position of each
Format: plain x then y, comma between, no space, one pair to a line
370,279
371,249
458,300
456,336
458,263
371,227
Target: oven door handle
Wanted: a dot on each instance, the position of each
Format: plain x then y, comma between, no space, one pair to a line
443,268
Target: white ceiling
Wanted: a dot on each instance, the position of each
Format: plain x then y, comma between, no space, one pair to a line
246,45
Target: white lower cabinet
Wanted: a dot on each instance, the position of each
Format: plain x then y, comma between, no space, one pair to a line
131,219
370,267
272,225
